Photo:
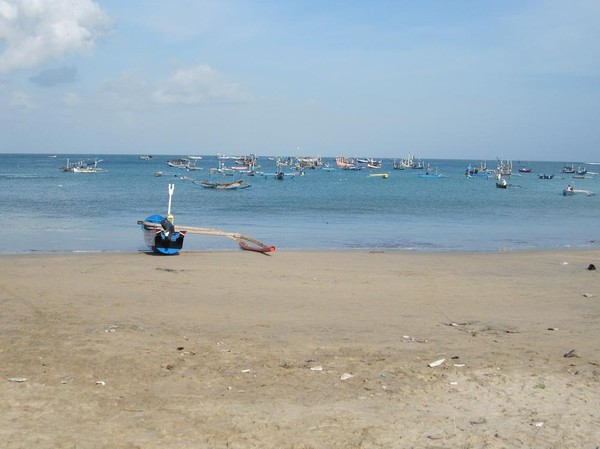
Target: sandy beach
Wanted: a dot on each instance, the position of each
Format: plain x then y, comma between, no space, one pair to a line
300,350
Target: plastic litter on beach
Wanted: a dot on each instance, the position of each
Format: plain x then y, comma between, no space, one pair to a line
458,365
346,376
316,368
17,379
436,363
100,382
569,354
587,295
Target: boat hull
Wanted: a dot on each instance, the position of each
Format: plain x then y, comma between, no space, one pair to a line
158,242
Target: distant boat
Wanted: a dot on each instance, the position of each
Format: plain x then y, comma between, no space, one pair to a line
344,162
379,175
82,166
571,192
544,176
145,157
430,174
477,172
178,163
235,185
525,170
568,169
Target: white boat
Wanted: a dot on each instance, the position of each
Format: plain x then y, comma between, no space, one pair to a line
82,166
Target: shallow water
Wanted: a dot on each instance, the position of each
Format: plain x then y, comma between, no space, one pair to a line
49,210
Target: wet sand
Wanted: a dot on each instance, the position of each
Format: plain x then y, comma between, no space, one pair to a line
300,350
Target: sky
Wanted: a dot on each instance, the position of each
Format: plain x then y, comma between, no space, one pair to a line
461,79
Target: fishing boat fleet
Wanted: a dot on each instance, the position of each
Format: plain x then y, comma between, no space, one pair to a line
291,167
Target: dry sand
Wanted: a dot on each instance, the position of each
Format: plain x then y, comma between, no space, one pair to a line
242,350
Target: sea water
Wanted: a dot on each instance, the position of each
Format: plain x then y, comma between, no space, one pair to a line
48,210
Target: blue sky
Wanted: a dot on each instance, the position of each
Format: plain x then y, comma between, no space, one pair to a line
440,79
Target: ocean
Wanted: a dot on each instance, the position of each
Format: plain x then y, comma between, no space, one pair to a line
47,210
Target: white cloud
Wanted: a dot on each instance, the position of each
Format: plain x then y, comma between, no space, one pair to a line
21,100
71,100
36,31
200,85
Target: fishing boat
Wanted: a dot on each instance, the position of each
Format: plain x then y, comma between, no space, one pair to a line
568,169
279,175
145,157
235,185
344,163
503,169
82,166
162,237
570,191
430,174
525,170
502,184
178,163
544,176
379,175
478,172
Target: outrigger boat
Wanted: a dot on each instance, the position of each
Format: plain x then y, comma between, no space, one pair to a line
162,237
235,185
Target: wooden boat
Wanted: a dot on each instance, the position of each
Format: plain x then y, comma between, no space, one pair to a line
82,166
478,172
544,176
344,163
571,192
568,169
525,170
162,237
501,185
430,174
235,185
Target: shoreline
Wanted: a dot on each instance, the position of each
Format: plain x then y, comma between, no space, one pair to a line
300,349
375,250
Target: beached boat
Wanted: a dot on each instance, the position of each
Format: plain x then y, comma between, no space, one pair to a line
162,237
235,185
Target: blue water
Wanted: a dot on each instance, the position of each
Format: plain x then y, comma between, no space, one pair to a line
48,210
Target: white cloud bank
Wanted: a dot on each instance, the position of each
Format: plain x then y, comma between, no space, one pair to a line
36,31
200,85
